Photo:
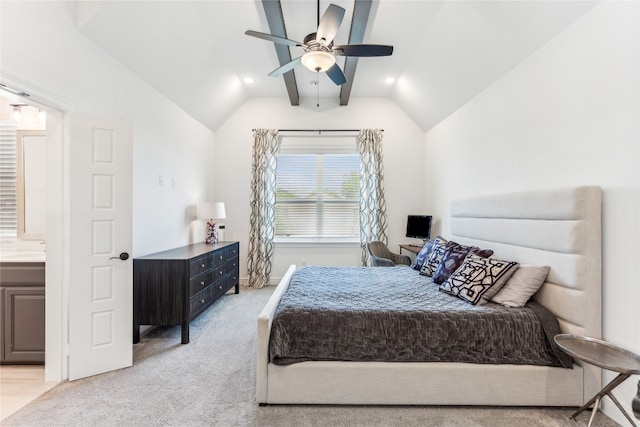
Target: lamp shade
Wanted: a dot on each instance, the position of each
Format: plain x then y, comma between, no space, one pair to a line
209,210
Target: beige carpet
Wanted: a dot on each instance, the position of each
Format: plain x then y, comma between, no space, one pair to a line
211,382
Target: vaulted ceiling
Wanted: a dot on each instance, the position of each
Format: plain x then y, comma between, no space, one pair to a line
445,52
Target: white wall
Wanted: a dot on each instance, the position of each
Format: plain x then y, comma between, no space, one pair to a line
41,46
567,115
403,154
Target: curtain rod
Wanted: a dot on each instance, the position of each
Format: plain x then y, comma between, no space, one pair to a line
319,130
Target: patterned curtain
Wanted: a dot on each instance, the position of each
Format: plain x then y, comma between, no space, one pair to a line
266,144
373,215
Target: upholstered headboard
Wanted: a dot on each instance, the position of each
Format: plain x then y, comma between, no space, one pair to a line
559,228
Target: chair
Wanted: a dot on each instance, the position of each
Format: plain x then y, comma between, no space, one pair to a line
381,256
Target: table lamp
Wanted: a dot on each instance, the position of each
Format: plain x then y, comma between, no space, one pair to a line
211,212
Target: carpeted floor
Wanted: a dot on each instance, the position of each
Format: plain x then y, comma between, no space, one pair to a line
211,382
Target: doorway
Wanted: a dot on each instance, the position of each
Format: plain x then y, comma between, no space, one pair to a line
23,240
85,149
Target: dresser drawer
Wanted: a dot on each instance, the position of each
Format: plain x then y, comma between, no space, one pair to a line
200,301
200,282
219,258
232,279
200,265
232,265
219,288
233,251
219,272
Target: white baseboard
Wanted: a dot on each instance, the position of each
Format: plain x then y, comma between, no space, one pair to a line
274,281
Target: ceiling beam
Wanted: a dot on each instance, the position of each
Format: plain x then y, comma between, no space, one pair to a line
359,21
273,10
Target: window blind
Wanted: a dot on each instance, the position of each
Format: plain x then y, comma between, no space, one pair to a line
317,191
8,181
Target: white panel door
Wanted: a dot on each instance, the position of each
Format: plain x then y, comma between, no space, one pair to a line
100,282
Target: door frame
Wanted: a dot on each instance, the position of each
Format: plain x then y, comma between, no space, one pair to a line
58,219
57,245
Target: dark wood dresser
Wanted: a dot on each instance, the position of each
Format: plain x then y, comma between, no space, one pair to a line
173,287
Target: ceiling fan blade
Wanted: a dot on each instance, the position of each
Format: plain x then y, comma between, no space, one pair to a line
329,24
336,75
363,50
272,38
286,67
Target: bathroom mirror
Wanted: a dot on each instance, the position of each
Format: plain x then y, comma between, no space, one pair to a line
31,173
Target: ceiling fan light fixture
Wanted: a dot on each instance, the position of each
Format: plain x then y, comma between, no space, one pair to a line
318,60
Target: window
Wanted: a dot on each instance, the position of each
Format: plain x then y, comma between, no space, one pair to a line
8,181
317,189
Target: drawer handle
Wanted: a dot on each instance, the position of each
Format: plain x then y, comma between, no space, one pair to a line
202,283
202,301
221,272
234,251
202,265
220,256
220,287
234,264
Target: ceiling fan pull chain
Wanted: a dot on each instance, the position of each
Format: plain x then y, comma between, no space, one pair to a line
318,86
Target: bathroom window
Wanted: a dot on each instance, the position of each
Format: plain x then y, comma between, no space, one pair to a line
8,181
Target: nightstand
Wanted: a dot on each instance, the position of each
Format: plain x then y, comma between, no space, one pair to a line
603,355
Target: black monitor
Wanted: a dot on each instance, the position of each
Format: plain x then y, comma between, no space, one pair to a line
419,226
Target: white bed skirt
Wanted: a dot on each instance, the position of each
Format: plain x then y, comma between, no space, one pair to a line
379,383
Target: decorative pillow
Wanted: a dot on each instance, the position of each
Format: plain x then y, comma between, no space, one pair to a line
435,255
525,282
478,279
422,255
453,257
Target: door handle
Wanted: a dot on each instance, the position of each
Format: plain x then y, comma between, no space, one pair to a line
123,256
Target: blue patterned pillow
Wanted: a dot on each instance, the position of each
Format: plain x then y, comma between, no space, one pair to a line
435,256
453,258
478,279
422,255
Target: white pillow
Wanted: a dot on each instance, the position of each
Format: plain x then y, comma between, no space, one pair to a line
525,282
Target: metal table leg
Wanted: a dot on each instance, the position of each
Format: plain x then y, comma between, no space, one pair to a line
612,397
605,391
596,404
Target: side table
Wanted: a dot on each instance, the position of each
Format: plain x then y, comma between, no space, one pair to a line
415,249
603,355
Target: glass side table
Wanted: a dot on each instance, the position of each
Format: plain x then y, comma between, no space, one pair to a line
603,355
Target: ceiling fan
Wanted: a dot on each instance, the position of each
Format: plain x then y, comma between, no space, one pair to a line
320,52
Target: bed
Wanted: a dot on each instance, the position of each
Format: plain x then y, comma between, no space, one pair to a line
560,228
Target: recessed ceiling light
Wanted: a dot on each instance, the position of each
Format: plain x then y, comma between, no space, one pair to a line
390,80
248,80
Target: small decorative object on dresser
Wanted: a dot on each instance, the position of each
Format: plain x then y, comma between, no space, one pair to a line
175,286
211,212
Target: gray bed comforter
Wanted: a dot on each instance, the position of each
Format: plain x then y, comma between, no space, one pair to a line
394,314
